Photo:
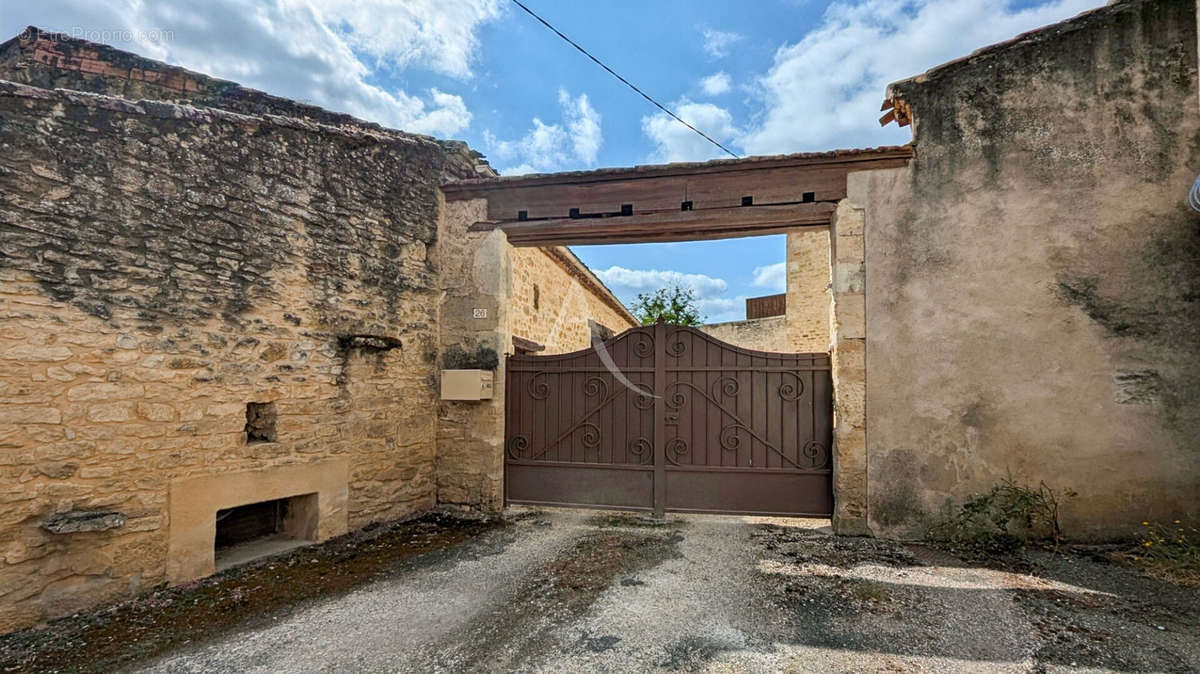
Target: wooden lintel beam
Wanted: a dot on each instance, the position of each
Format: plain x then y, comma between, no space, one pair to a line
665,238
884,157
714,223
659,189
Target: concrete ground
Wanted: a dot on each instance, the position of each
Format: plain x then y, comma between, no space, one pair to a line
564,591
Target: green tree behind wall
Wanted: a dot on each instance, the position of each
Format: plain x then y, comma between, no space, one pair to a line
675,305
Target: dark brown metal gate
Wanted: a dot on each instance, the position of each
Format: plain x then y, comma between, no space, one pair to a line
668,418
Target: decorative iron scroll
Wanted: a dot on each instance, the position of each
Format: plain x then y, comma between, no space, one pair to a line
675,345
517,444
728,387
643,449
817,453
595,386
791,392
538,390
644,346
676,447
730,441
644,401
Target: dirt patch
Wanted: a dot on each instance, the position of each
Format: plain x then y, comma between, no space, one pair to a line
1121,620
861,596
164,619
806,546
692,653
1103,632
632,520
553,595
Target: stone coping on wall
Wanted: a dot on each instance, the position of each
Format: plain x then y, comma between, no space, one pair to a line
743,321
64,53
205,115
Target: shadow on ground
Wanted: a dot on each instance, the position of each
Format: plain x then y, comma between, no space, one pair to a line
564,591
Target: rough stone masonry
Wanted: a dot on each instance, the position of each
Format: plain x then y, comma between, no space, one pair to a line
212,297
161,266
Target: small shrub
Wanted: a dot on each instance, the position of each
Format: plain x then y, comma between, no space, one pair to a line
1002,520
1173,549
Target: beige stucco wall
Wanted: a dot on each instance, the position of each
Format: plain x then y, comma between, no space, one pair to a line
559,321
808,294
760,334
1032,279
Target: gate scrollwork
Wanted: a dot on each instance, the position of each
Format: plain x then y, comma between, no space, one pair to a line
676,447
726,386
517,446
816,453
642,448
791,391
595,386
539,386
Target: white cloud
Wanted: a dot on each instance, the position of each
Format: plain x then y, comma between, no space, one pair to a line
715,84
772,276
584,124
308,50
722,309
627,283
717,43
519,170
449,114
553,147
675,142
824,91
433,33
652,279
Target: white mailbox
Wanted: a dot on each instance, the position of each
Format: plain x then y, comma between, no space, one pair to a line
466,384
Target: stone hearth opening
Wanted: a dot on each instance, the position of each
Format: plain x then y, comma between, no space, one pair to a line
254,530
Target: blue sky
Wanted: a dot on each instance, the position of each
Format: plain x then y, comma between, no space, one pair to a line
761,76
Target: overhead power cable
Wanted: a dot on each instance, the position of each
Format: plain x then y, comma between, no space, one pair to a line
629,84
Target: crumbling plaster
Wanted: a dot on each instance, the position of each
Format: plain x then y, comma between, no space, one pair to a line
1033,279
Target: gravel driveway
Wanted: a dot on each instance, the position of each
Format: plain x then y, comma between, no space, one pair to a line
560,591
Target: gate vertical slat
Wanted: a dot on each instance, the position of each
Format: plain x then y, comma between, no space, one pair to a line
710,380
660,413
508,420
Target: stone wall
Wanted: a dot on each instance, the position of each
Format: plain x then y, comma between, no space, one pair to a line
162,266
48,60
554,295
808,295
476,274
481,271
1033,280
760,334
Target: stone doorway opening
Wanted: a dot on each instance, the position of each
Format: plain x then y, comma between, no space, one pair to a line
255,530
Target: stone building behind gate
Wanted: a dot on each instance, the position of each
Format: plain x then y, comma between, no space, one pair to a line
212,297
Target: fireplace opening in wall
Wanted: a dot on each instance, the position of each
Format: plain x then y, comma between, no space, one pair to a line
265,528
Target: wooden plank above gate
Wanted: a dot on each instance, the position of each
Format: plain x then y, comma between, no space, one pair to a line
671,202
